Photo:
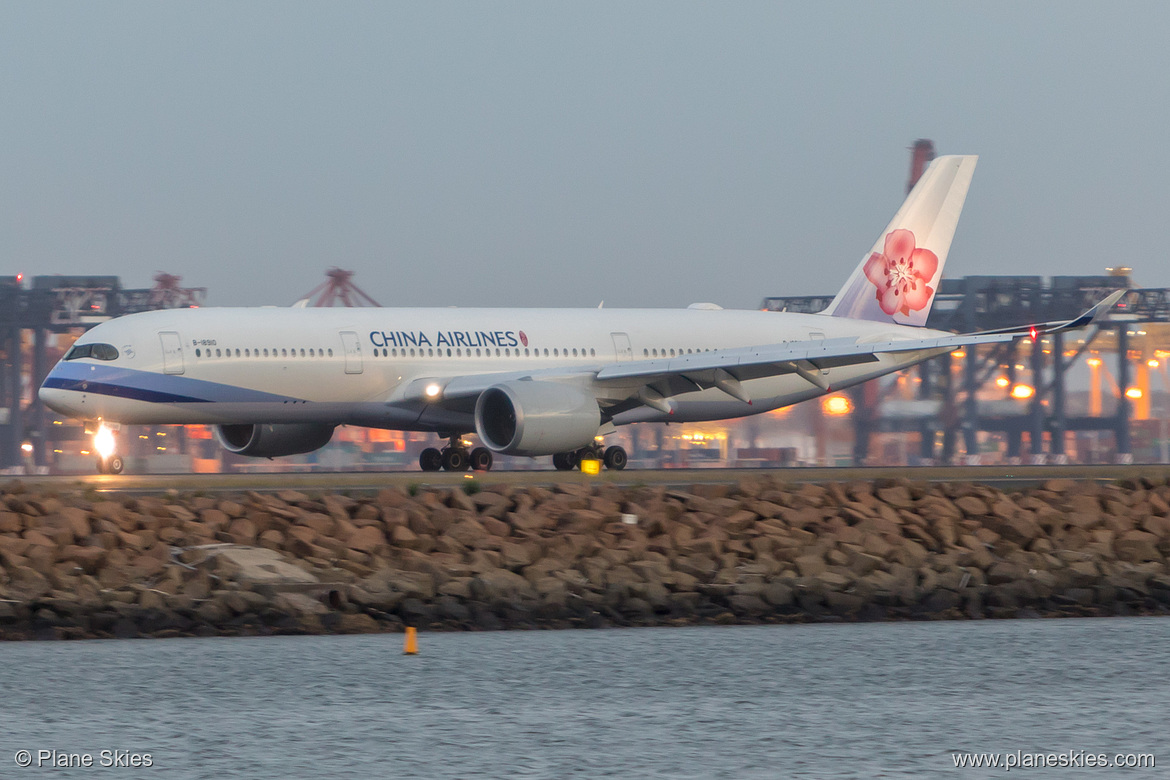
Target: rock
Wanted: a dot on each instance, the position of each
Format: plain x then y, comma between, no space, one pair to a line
1019,528
90,559
500,585
844,604
242,531
941,600
1137,547
298,604
403,536
26,584
972,506
468,532
357,624
10,523
258,566
810,565
743,604
517,556
777,594
897,496
369,539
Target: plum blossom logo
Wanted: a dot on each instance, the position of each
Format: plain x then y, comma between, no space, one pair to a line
523,339
902,273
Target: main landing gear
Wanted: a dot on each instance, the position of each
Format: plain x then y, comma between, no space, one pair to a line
614,458
455,457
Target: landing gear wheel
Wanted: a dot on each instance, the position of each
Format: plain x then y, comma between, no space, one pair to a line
586,453
481,459
115,464
455,459
430,459
565,461
615,458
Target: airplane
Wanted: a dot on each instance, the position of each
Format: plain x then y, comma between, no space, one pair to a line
530,382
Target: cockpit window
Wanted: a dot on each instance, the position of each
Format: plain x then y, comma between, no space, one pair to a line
96,351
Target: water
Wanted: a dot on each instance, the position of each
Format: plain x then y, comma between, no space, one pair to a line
817,701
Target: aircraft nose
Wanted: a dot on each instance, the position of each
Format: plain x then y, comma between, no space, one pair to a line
56,399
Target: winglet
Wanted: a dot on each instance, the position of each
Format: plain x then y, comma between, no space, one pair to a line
1105,305
1096,312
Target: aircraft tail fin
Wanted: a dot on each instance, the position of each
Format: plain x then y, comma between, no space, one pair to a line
897,280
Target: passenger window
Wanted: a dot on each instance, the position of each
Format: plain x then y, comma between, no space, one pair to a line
197,353
556,352
592,352
330,353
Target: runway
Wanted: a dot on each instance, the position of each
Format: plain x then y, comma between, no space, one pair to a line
1003,477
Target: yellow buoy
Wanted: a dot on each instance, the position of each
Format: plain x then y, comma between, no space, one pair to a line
410,647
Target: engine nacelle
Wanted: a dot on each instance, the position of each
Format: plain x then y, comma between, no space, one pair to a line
536,418
273,441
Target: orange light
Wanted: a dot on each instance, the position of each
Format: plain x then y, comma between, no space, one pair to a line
836,405
1153,363
1134,393
958,353
1022,392
1094,361
1002,381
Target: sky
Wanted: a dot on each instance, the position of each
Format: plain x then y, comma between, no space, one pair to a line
563,154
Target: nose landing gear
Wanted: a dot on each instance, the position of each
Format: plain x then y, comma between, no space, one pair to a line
108,462
110,465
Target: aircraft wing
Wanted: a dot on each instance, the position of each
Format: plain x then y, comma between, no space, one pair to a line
726,368
829,353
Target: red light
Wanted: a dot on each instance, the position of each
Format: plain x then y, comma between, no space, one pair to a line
1033,334
19,278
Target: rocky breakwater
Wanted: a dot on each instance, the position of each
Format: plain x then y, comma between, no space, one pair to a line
764,550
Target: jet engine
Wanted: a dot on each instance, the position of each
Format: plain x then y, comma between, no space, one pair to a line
273,441
536,418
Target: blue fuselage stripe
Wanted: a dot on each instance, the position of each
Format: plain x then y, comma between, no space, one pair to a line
121,391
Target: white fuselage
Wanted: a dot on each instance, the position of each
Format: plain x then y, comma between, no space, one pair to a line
350,366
